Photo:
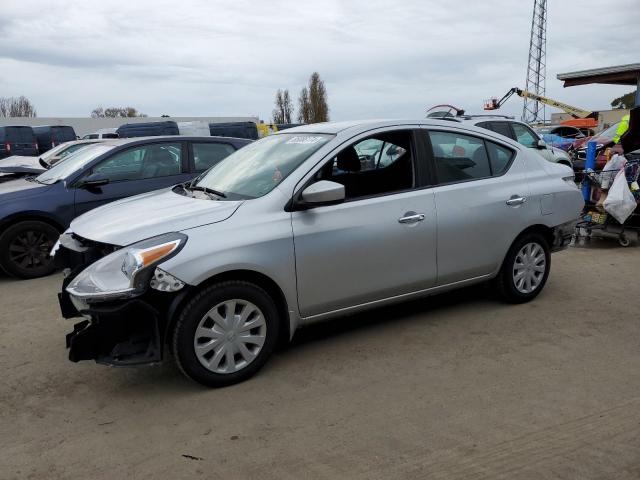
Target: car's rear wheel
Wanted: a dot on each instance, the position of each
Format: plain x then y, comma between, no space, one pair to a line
525,269
226,333
25,248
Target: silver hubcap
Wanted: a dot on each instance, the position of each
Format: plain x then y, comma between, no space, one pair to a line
529,268
230,336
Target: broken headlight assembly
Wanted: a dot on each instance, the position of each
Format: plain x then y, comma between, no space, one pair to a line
126,272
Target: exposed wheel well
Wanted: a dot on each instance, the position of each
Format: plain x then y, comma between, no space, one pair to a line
251,276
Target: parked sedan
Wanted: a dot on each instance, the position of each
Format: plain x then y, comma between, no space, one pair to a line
34,210
560,136
299,227
19,166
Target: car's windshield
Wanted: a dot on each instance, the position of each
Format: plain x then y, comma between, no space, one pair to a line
609,132
72,163
61,151
255,170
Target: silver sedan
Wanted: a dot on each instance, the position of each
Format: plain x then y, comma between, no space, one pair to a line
309,224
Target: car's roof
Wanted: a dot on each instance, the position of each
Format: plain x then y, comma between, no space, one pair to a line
354,126
116,142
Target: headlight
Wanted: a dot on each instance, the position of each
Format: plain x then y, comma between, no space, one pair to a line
125,272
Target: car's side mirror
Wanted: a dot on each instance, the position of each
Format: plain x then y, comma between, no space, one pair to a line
541,145
96,179
323,192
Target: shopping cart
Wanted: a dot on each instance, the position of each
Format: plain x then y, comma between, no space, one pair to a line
594,216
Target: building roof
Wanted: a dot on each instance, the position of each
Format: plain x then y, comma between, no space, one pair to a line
616,75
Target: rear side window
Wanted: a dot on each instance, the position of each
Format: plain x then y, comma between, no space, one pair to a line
459,157
62,134
206,155
500,158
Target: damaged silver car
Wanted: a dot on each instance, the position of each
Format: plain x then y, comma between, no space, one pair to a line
316,222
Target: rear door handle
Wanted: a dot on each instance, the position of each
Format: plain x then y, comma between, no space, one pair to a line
411,217
515,201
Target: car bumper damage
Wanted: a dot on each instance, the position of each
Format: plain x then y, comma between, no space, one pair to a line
118,332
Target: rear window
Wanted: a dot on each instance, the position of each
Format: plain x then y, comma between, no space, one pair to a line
62,134
19,135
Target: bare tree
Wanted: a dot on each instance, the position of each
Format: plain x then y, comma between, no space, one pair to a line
318,99
16,107
116,112
304,107
287,106
278,112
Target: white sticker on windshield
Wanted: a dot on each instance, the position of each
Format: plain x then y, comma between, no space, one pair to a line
304,140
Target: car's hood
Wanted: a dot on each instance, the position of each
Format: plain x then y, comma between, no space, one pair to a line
150,214
19,187
20,164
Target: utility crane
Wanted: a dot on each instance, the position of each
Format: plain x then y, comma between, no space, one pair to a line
582,118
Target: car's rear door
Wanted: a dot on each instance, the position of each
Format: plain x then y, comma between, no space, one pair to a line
138,169
378,243
481,200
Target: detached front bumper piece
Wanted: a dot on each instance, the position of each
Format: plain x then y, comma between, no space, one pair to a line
126,334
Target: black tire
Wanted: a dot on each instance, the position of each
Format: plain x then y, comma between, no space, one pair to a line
505,284
194,311
25,247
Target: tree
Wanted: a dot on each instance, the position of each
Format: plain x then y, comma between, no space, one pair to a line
116,112
625,101
287,107
278,112
304,107
318,99
313,101
16,107
284,108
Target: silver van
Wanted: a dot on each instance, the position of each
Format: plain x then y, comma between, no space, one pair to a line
315,222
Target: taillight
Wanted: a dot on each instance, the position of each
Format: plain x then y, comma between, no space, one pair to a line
35,146
7,147
53,144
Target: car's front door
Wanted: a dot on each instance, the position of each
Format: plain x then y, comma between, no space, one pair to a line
378,243
482,202
136,170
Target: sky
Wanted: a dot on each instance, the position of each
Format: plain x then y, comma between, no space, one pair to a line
378,59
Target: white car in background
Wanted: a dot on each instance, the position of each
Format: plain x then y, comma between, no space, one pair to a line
100,134
518,131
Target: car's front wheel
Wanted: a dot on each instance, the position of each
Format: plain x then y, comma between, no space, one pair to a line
525,269
25,248
226,333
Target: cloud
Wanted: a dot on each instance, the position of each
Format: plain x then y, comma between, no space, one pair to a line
378,59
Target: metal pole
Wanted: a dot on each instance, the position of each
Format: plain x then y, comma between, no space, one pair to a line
589,164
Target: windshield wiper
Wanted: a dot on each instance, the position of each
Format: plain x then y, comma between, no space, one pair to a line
207,190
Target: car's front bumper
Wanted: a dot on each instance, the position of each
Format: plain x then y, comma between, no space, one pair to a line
118,332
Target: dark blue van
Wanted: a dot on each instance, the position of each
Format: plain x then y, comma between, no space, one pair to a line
17,140
234,129
148,129
49,136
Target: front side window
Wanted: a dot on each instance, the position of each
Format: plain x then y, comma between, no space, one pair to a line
206,155
525,136
459,157
375,166
255,170
149,161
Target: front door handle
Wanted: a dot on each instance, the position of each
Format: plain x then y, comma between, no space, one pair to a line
515,201
411,217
